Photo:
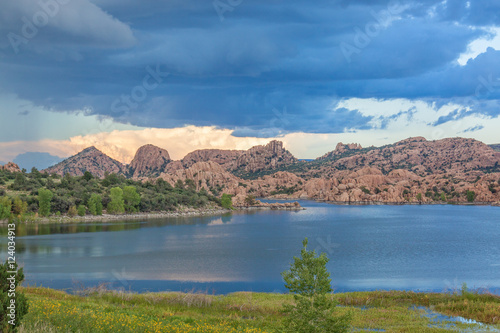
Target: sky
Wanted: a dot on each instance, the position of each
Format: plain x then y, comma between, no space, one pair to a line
186,75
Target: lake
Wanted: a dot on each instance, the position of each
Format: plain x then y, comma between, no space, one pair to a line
426,248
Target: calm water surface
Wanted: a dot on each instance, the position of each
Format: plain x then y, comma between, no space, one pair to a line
370,247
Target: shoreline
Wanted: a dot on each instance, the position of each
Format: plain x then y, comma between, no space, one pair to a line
189,212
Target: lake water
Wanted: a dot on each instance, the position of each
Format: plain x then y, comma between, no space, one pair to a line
427,248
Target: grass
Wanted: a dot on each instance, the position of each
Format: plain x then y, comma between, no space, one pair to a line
99,310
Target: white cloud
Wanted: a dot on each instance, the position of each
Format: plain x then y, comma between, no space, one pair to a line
480,46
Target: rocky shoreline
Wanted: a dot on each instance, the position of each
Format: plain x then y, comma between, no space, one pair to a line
185,212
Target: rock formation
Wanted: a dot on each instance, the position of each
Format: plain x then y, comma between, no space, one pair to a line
410,171
12,167
149,161
225,158
263,158
90,159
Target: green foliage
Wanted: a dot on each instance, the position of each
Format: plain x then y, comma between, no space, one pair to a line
81,210
314,308
131,198
226,201
72,211
6,295
95,204
20,206
116,205
44,197
250,200
87,176
419,196
5,207
471,196
365,190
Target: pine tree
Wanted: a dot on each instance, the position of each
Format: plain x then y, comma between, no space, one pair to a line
314,308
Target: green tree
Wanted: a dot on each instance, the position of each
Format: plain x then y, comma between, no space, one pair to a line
226,201
20,301
81,210
250,200
314,308
179,184
87,176
20,206
471,196
116,205
419,197
72,211
131,198
44,197
95,204
5,207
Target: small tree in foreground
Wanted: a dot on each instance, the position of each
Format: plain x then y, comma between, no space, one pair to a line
314,308
13,303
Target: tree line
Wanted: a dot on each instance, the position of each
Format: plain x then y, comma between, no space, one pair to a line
25,194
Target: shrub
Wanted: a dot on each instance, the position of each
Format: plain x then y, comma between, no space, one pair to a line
131,198
226,201
95,204
5,207
471,196
7,323
314,308
81,210
116,205
44,197
72,211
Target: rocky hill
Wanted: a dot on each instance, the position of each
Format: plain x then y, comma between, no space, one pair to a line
495,147
341,150
412,170
90,159
225,158
262,158
422,157
149,161
12,167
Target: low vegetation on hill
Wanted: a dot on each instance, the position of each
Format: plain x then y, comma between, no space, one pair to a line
27,195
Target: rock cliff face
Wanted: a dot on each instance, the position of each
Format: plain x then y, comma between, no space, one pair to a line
263,158
225,158
12,167
90,159
149,161
341,149
454,155
410,171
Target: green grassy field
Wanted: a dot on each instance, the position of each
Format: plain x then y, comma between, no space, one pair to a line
108,311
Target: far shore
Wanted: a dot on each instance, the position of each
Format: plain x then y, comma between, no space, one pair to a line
185,212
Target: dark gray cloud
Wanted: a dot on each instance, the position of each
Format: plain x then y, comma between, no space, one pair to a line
235,70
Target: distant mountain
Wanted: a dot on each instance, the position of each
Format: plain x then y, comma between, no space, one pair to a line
90,159
38,160
149,161
496,147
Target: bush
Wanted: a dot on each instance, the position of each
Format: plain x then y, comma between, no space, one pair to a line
5,207
72,211
95,204
7,323
314,308
44,197
226,201
116,205
81,210
471,196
